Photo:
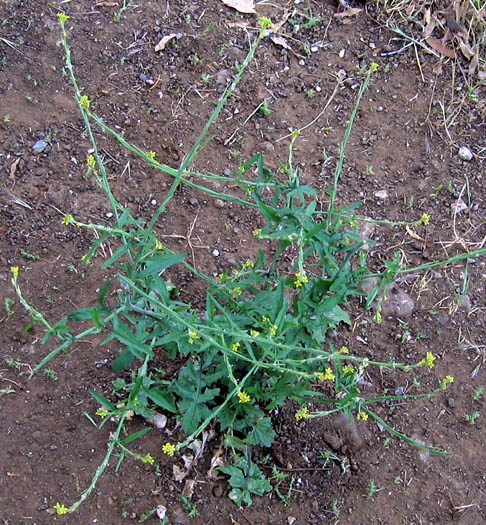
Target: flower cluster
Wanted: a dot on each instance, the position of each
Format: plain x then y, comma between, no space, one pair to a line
169,449
243,397
101,412
300,279
428,360
60,508
446,381
425,219
193,337
148,459
327,375
303,413
348,369
84,101
362,416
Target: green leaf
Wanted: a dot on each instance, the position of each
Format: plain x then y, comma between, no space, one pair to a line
162,399
135,435
263,433
103,401
116,255
124,360
159,263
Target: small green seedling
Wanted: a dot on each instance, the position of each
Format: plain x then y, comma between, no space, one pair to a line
371,489
264,108
478,393
471,418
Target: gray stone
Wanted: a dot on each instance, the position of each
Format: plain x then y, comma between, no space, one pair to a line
40,146
465,153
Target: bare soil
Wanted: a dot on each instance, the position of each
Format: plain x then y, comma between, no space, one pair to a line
160,101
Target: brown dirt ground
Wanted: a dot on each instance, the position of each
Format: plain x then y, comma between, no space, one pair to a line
399,145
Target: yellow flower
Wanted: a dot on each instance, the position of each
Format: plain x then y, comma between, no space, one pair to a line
425,219
362,416
300,279
236,292
254,333
428,360
377,317
248,264
102,412
60,508
67,219
192,337
235,347
257,232
86,259
148,459
84,101
169,449
62,18
90,161
446,381
373,67
327,375
158,245
303,413
151,154
273,329
243,397
265,319
15,271
265,23
347,369
343,350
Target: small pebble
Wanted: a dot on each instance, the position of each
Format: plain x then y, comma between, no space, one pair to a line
153,202
215,253
193,201
381,194
39,146
399,391
218,203
301,62
314,49
451,403
465,153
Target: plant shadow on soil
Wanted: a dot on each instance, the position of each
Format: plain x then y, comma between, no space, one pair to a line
161,101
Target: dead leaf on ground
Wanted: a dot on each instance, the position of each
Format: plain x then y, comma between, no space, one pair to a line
280,41
429,28
216,462
240,25
243,6
437,69
106,4
188,489
13,169
164,41
352,11
179,474
413,234
465,49
440,47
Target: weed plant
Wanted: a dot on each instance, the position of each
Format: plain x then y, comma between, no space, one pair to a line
261,339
